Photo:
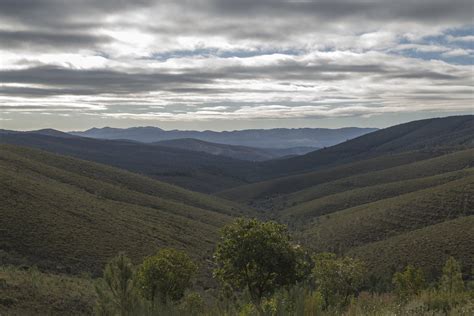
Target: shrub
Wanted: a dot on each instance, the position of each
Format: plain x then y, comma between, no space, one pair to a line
451,280
338,279
165,276
115,291
258,257
408,283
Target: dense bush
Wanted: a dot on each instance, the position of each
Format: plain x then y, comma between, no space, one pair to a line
258,257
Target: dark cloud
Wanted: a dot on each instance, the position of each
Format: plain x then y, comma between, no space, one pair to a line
100,81
57,40
433,75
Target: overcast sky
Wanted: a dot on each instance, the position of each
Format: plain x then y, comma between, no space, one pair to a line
233,64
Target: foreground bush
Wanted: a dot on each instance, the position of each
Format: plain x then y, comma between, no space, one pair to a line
258,257
268,275
409,282
165,276
115,291
337,279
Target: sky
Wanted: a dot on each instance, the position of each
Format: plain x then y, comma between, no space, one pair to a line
233,64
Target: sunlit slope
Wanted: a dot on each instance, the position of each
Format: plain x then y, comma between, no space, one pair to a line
428,247
371,186
386,218
286,185
67,214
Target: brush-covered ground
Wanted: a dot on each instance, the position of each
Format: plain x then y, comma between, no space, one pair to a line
404,195
68,215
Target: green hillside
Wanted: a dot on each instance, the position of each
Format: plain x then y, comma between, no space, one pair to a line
378,184
428,247
377,203
69,215
385,218
278,189
301,213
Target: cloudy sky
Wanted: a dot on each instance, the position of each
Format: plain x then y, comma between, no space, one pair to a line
233,64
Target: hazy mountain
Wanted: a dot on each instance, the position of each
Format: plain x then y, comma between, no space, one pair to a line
263,138
233,151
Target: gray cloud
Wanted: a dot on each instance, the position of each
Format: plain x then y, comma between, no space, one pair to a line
210,59
57,40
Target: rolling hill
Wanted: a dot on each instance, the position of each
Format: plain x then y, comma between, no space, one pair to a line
233,151
190,169
453,132
379,190
392,193
427,247
68,215
262,138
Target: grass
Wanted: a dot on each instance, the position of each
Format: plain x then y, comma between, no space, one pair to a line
31,292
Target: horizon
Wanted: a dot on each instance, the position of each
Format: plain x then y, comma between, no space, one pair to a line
234,130
287,64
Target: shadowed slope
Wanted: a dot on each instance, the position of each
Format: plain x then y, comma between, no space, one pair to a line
70,215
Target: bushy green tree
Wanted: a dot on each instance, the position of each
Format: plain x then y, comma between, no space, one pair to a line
115,290
165,275
409,282
451,280
337,279
259,257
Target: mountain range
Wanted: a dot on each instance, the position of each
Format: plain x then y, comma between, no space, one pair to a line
261,138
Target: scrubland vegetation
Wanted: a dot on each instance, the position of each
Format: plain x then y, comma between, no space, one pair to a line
385,230
260,271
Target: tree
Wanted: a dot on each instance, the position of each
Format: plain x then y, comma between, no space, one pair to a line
337,279
115,290
409,283
451,280
258,256
165,275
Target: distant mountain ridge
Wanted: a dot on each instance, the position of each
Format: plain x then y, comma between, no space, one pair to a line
262,138
234,151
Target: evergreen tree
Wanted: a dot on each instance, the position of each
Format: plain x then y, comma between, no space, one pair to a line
451,280
409,282
115,290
